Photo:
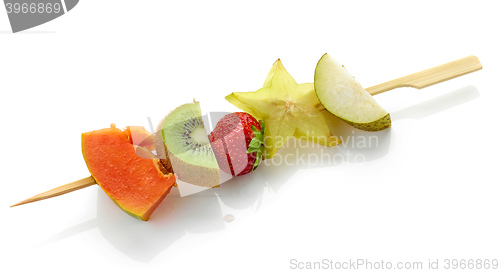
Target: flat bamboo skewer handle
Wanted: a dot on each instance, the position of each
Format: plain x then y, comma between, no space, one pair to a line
431,76
417,80
73,186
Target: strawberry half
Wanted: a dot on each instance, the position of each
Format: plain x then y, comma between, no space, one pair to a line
238,143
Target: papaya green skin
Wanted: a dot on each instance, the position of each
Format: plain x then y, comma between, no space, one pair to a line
145,216
134,183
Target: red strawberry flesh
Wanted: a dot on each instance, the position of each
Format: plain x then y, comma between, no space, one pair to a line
234,133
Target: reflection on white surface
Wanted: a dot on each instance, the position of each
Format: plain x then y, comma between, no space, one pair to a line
173,219
207,211
437,104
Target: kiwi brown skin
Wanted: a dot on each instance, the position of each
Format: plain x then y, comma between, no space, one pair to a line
161,149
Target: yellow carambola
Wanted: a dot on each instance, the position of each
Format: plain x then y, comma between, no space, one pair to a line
288,110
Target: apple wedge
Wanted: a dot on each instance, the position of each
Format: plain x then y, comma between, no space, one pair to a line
343,96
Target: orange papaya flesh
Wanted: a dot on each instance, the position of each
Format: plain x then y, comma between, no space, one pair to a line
135,183
140,137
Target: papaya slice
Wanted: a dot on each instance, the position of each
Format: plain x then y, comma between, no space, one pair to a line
140,137
133,181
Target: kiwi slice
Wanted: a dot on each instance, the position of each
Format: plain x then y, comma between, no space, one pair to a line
188,146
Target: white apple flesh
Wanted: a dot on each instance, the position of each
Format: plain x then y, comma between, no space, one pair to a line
343,96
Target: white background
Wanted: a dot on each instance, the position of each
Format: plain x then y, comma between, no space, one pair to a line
428,190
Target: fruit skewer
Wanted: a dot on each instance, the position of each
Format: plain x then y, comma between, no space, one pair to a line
66,188
417,80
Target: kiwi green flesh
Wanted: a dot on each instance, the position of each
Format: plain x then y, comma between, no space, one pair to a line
195,174
161,150
188,146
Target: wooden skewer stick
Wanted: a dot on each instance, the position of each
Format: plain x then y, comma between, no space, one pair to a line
427,77
431,76
417,80
73,186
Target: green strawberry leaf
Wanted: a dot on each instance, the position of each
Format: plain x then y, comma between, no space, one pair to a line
253,149
263,128
254,130
257,144
258,159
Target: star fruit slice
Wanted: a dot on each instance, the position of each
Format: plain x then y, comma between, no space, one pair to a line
288,110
